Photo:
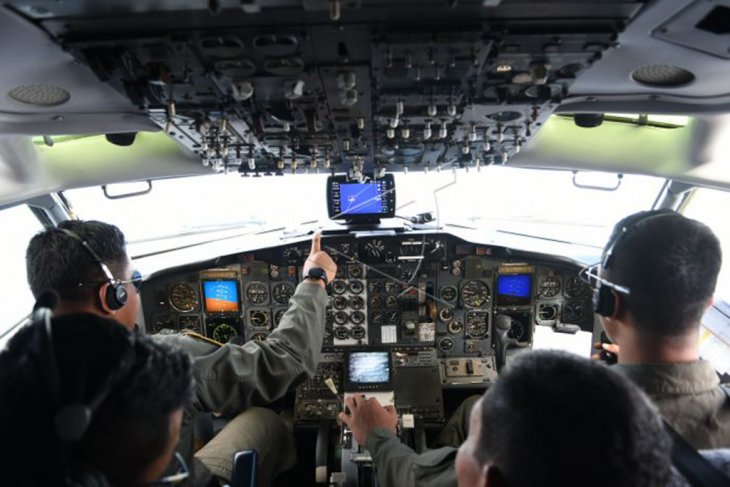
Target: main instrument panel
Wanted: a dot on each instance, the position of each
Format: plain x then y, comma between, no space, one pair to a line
432,290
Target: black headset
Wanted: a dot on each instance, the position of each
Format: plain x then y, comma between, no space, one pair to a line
71,420
604,300
116,294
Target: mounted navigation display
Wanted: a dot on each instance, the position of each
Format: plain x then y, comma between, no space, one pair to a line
514,289
368,371
356,201
221,296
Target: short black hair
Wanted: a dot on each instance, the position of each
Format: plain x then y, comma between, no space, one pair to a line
128,430
56,261
670,264
558,420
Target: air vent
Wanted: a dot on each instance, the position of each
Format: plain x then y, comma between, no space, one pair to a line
662,75
40,95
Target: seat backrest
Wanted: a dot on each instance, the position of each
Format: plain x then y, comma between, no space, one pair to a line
244,469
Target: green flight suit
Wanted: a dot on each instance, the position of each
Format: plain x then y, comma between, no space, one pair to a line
689,398
398,465
233,378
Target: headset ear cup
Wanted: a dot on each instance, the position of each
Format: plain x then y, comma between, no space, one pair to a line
604,302
116,296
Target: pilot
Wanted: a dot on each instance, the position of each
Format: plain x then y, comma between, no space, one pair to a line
535,426
133,388
82,261
657,278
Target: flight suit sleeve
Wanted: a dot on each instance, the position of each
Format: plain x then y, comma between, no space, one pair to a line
235,377
396,464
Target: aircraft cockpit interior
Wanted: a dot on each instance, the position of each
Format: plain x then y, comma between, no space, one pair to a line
463,160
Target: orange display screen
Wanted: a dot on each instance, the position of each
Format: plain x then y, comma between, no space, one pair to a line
221,296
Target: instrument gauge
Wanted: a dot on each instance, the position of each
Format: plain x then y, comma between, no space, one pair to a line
161,322
224,332
455,327
549,287
356,287
574,312
394,317
339,302
375,287
282,292
378,318
341,333
341,318
356,271
257,293
392,287
391,302
547,312
375,249
191,323
259,318
576,288
375,301
184,298
446,314
357,317
516,331
476,324
448,293
338,286
358,332
258,337
474,293
278,315
446,344
356,302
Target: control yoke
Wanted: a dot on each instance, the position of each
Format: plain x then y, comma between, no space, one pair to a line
503,323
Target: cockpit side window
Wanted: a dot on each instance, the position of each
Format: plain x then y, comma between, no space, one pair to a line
18,225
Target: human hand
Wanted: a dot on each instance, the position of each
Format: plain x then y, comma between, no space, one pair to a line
366,415
606,352
320,258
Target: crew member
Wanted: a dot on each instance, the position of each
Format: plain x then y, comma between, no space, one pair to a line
86,263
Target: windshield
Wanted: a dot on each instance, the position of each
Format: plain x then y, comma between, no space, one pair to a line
540,203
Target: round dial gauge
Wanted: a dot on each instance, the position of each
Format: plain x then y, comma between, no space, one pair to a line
446,344
377,318
476,324
356,271
341,318
391,302
375,287
338,286
394,317
277,316
224,332
184,298
259,318
392,287
576,288
375,249
257,293
548,312
448,293
446,314
190,323
160,322
375,301
455,327
341,333
516,331
574,312
357,317
356,302
282,292
358,332
549,287
356,287
474,294
339,302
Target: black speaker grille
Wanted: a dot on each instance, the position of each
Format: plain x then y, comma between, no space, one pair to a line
662,75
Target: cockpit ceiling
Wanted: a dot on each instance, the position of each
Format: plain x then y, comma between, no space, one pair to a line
359,86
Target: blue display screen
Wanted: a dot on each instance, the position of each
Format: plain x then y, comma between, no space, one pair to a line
369,367
221,296
517,285
361,199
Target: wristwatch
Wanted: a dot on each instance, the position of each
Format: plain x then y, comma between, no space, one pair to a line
316,273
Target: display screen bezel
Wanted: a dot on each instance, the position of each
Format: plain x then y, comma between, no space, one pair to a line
352,386
234,283
334,205
513,299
